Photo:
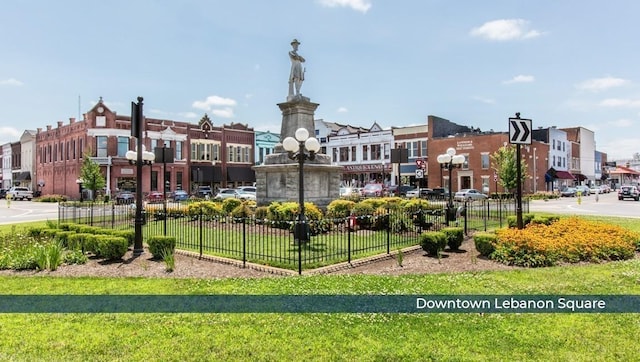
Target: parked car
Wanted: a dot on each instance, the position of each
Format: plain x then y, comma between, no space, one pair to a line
435,193
226,194
628,192
413,193
582,190
594,189
403,189
204,192
373,190
469,195
155,196
568,192
20,193
345,191
125,197
245,195
179,195
605,189
3,193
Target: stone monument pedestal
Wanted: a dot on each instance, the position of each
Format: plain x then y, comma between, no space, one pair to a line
278,178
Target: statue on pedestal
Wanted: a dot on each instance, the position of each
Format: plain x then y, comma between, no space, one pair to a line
297,71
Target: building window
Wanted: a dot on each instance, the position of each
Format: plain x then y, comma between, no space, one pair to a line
423,148
376,153
465,164
334,154
554,145
101,121
216,152
344,154
123,146
179,180
238,154
101,146
154,180
484,159
365,152
178,150
354,157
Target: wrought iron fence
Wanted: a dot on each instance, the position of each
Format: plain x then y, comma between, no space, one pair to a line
272,242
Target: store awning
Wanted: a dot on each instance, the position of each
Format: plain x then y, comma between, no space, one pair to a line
240,174
565,175
580,177
206,174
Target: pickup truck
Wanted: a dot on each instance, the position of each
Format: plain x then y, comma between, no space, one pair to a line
20,193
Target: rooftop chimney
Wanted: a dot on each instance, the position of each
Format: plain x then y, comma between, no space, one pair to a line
59,124
72,120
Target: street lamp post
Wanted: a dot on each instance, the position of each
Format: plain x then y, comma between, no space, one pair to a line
296,148
450,161
139,159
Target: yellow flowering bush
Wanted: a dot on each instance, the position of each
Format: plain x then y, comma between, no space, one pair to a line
569,240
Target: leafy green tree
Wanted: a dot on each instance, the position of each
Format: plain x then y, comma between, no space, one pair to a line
503,162
91,175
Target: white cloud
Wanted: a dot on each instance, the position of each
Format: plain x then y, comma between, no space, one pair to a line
620,102
484,100
9,134
600,84
214,101
342,110
358,5
505,29
520,79
620,148
621,123
188,115
12,82
226,112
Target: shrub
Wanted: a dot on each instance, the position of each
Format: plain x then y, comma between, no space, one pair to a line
62,237
485,243
455,237
261,214
512,221
400,222
111,247
129,235
340,209
161,244
363,212
242,211
35,231
228,205
433,242
74,257
80,241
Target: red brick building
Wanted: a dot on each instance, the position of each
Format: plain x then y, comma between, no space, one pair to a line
202,154
477,147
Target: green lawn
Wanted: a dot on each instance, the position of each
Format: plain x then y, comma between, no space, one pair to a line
333,337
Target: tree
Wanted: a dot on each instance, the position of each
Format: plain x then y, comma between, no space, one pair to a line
503,162
91,175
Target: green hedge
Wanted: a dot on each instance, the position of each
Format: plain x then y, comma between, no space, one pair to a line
158,245
485,243
455,237
433,242
111,247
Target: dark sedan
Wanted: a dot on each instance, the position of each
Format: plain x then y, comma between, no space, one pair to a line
125,197
569,192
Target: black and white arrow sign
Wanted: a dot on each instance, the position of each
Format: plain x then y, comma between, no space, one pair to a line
520,131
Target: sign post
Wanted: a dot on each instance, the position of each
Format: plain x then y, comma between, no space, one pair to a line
519,134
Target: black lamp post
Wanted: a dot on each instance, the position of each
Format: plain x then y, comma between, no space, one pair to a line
296,148
139,157
450,161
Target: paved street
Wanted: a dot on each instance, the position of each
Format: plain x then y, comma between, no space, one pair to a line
606,205
23,211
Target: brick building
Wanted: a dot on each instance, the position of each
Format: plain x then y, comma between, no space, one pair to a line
202,154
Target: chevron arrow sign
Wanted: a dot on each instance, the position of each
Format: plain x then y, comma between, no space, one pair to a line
520,131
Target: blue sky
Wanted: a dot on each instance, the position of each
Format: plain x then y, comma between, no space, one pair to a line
561,63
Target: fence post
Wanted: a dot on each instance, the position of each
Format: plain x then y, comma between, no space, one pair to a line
200,221
349,238
386,220
466,214
486,214
91,204
244,242
113,216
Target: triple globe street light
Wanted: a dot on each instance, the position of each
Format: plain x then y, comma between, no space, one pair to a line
296,148
449,161
139,157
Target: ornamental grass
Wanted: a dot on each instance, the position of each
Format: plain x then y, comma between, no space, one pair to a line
566,240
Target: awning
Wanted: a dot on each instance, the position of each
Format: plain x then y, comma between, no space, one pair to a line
580,177
241,174
206,174
564,175
552,173
21,176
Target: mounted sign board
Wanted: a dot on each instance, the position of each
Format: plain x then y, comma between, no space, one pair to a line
519,131
419,173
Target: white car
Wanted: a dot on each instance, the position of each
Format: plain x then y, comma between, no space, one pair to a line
19,193
226,194
469,195
413,193
246,195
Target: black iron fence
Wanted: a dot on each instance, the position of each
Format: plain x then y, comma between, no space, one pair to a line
272,242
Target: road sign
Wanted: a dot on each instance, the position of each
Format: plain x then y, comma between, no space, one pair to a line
419,163
419,173
520,131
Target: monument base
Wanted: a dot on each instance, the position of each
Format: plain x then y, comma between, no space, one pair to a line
279,182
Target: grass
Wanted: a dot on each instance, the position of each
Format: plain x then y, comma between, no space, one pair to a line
352,337
332,337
